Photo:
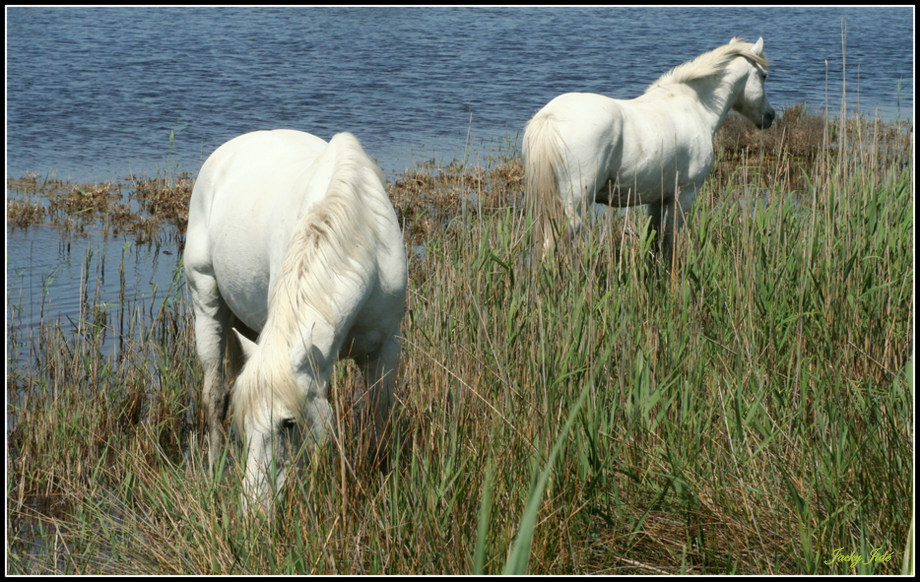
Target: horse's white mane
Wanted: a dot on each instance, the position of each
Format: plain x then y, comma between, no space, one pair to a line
709,64
336,240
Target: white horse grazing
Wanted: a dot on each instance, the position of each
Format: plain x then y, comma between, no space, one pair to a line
655,149
296,239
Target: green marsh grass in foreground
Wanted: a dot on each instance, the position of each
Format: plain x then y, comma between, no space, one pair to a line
748,410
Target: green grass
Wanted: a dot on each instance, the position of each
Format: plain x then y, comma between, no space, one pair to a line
748,410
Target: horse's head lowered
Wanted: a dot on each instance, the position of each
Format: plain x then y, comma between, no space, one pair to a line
277,408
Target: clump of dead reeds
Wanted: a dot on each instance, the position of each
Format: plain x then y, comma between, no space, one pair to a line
23,213
165,199
149,209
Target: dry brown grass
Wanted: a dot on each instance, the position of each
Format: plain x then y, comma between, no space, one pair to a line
428,198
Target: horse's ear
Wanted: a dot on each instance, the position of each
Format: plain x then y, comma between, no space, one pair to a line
757,49
313,354
249,346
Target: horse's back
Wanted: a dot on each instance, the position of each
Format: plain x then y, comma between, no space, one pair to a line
582,113
248,198
640,143
262,165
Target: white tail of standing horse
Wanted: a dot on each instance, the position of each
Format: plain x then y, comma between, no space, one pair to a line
542,151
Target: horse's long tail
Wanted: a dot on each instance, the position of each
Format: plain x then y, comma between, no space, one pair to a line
542,149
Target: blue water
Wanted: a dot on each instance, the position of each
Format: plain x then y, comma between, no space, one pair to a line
94,94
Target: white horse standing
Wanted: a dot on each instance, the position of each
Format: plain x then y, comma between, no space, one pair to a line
655,149
296,239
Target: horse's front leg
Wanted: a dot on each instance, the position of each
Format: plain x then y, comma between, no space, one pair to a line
212,317
667,217
379,370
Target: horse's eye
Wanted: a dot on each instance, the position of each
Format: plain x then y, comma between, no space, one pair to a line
288,423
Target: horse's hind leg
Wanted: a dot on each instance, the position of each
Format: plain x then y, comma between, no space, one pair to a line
212,318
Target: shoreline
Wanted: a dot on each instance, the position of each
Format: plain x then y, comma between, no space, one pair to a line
146,207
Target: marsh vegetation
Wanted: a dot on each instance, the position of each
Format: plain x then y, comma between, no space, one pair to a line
746,410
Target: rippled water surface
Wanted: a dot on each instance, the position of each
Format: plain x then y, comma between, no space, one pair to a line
97,93
94,93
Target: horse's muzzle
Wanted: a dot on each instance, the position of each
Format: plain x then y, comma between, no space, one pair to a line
767,119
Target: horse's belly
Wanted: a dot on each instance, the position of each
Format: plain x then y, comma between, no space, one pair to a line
361,342
631,192
648,188
619,196
244,282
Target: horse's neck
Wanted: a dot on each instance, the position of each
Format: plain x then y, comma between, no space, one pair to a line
717,95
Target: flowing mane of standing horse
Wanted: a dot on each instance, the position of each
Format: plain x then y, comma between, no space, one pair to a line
655,149
294,239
